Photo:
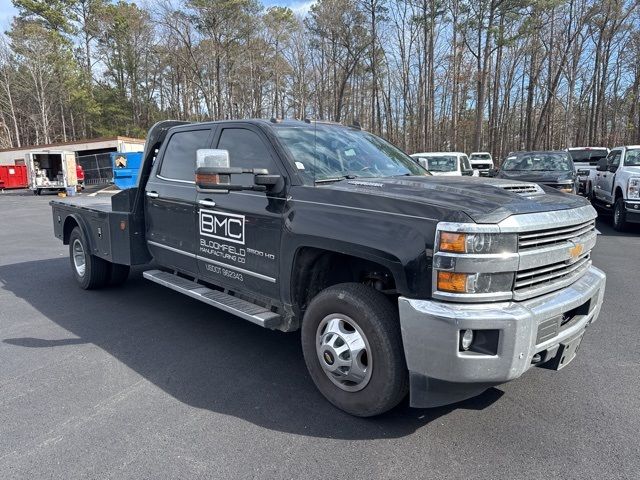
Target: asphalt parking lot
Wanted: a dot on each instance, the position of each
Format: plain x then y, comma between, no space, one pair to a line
141,382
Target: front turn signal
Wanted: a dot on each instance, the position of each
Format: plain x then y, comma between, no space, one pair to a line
452,282
453,242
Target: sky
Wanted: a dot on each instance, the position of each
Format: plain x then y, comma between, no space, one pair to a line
7,11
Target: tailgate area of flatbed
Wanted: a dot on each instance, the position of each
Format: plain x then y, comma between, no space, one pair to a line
116,236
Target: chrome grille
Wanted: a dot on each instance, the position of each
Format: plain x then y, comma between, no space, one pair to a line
553,236
549,274
554,252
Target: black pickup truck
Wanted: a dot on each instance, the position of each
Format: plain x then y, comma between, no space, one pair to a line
399,281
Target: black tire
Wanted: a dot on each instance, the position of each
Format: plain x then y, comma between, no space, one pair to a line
619,215
378,319
96,271
118,274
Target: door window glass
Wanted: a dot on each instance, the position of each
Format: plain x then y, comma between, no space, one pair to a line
246,150
179,160
614,159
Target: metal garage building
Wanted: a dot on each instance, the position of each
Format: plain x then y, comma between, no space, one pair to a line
15,156
92,154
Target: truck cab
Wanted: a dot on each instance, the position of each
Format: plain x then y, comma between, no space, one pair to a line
586,160
482,162
448,164
617,183
399,281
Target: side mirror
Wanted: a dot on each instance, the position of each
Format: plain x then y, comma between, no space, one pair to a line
213,173
602,165
493,172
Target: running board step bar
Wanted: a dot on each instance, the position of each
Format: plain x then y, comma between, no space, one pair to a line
236,306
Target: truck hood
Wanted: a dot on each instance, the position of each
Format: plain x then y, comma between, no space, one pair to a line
633,170
538,177
484,200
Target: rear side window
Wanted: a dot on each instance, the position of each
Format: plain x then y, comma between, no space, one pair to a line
179,161
246,150
587,156
465,163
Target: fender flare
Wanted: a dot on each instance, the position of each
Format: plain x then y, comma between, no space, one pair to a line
83,227
391,263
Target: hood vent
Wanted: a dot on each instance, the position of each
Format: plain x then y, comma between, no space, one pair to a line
524,189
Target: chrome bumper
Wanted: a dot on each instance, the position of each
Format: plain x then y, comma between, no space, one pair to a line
442,373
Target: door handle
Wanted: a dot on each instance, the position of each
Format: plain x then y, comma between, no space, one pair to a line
152,194
207,203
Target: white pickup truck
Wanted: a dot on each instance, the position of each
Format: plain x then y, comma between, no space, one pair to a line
585,160
617,185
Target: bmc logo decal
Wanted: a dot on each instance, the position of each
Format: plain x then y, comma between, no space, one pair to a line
223,226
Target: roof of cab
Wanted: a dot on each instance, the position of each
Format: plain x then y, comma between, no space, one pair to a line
436,154
274,123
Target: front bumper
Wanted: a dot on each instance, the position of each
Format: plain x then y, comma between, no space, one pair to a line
582,184
441,373
632,211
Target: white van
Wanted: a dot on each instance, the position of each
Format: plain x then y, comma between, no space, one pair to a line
482,162
51,170
444,163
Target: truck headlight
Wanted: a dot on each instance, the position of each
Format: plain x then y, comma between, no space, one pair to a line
454,282
477,243
633,188
566,187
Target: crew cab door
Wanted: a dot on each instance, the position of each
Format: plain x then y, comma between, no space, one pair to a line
605,180
239,232
170,196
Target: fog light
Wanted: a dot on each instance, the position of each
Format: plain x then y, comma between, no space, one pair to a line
467,339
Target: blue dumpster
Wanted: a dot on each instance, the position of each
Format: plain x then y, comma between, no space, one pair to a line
125,169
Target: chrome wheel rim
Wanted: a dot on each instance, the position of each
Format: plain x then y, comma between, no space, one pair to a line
344,352
79,259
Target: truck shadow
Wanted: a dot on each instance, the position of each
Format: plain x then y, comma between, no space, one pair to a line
202,356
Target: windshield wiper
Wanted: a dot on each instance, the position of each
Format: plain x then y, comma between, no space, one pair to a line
336,179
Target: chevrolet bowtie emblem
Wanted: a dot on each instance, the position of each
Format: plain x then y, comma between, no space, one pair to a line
576,251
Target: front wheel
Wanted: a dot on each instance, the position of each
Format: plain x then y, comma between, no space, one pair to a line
352,347
619,215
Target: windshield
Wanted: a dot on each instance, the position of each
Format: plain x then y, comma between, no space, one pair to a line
632,158
331,152
439,163
548,162
587,155
480,156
